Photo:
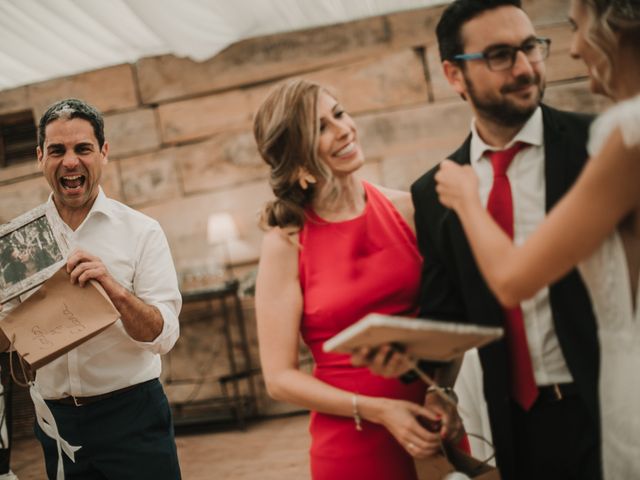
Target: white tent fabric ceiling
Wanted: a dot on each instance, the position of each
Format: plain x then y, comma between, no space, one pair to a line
43,39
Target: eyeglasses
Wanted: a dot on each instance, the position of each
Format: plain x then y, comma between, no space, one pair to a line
503,57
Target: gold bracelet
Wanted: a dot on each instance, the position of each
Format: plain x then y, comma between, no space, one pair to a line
356,413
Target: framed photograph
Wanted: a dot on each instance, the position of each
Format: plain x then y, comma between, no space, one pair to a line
32,249
422,338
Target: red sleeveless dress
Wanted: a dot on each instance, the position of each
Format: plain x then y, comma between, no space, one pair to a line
347,270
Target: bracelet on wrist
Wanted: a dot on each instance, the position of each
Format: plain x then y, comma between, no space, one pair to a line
356,414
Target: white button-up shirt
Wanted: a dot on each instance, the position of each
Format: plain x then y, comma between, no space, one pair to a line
134,249
526,175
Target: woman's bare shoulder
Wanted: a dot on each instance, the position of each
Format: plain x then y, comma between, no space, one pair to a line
392,193
401,200
280,241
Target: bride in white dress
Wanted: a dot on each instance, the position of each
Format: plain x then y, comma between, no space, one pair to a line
596,225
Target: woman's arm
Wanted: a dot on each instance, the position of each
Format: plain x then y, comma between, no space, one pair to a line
606,191
278,310
388,363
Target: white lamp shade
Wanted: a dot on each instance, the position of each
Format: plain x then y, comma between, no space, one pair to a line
221,228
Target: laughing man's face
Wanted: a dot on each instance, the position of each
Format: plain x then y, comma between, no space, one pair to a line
72,162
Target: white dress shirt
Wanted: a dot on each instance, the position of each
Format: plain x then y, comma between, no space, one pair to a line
526,175
134,249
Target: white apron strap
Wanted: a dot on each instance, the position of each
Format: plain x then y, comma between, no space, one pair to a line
48,425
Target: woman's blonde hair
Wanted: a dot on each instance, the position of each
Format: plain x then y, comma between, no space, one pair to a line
286,129
611,22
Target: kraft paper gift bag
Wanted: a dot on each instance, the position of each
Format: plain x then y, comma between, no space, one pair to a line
57,318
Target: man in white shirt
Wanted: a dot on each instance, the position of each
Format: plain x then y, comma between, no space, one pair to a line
540,382
105,395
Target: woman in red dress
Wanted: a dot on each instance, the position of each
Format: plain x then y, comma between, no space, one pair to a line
336,249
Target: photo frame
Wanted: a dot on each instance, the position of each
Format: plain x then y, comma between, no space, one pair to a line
32,249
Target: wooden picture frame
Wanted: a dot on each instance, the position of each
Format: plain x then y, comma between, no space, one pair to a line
420,338
32,249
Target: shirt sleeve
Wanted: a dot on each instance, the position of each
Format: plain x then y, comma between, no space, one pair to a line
6,308
624,116
629,122
155,283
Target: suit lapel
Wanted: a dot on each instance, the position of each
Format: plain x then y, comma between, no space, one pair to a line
555,152
472,282
462,155
456,231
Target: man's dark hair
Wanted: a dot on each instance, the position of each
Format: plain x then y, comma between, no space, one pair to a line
455,16
68,109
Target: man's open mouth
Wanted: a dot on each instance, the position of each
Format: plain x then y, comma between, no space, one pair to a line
72,181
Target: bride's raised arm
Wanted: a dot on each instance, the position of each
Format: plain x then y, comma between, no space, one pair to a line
606,192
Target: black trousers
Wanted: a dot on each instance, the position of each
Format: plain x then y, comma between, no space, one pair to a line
556,440
127,436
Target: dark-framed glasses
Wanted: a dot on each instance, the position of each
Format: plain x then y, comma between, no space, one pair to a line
503,57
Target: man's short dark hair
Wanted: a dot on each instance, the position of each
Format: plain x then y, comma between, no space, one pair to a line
455,16
68,109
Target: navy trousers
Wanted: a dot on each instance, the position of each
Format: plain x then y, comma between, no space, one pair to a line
557,440
127,436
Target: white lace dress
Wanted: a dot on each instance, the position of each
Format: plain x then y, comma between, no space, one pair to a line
606,275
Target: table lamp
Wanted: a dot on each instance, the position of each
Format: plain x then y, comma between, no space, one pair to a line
222,230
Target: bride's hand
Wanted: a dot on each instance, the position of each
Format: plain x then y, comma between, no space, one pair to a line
457,185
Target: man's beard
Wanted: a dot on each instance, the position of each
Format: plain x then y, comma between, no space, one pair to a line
503,111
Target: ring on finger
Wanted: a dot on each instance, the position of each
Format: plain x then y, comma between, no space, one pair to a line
411,446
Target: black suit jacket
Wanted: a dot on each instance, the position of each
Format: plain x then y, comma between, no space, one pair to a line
453,288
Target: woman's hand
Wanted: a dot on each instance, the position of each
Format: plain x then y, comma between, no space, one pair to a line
451,428
457,185
386,361
402,419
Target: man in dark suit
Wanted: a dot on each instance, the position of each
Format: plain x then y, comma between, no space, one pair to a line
494,60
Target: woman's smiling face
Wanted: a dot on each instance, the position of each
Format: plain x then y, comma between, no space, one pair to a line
338,145
581,48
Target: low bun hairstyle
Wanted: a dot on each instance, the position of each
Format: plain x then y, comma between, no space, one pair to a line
286,130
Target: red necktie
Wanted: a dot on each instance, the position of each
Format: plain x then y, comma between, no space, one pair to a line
500,205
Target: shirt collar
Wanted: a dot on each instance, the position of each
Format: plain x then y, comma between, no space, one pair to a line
100,205
532,133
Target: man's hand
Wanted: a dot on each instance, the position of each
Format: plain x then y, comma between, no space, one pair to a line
142,322
82,267
386,361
